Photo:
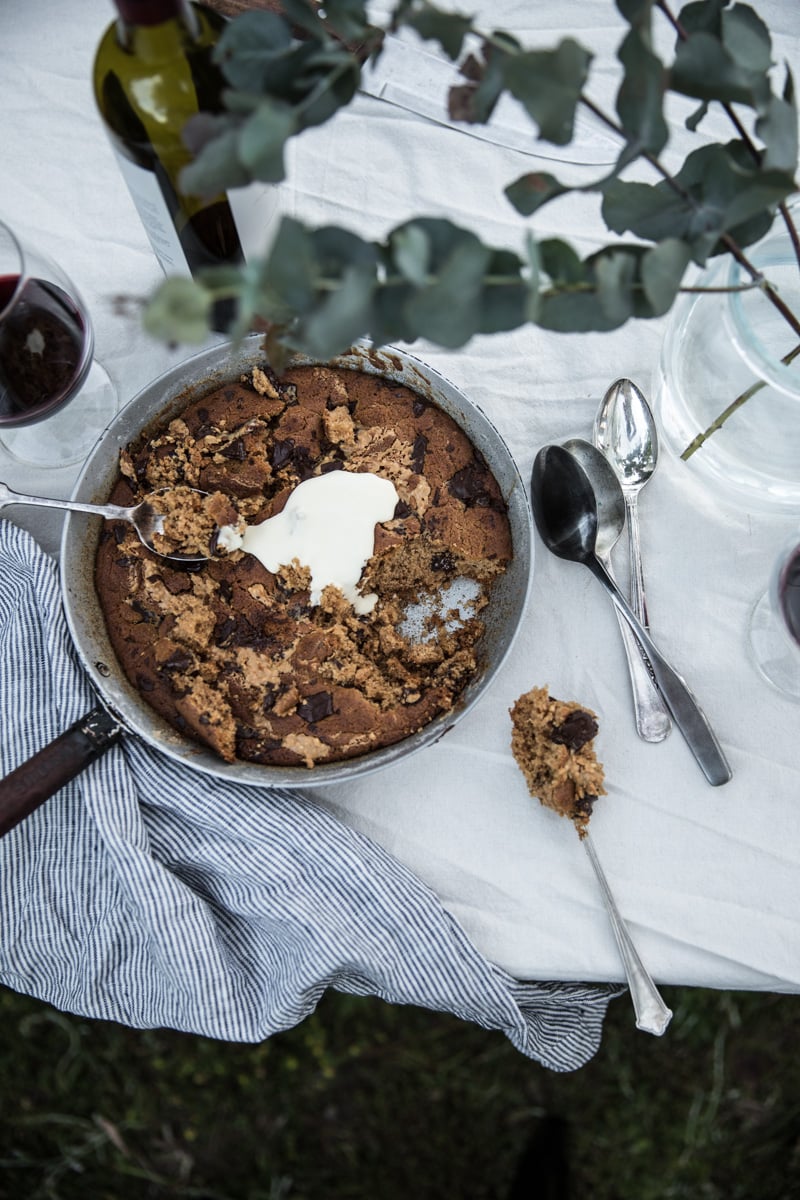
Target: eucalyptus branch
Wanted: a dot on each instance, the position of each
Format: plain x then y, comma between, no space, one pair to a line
730,243
746,395
744,135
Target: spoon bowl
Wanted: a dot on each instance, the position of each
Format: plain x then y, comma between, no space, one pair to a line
607,493
625,432
564,505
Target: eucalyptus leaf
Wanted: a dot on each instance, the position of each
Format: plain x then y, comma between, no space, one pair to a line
448,29
548,83
777,128
218,165
534,265
262,140
719,189
179,311
705,69
249,46
340,318
347,19
448,311
636,12
615,279
693,121
504,295
702,16
662,269
411,252
531,191
291,266
746,38
640,98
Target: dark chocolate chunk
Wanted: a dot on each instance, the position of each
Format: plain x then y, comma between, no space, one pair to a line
316,707
469,486
418,452
282,452
179,660
235,450
578,729
443,561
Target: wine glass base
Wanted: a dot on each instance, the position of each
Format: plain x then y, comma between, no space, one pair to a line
66,437
776,658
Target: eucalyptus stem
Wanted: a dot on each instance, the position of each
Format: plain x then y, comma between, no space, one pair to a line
730,244
717,424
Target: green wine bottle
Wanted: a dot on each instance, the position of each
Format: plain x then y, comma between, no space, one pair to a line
153,71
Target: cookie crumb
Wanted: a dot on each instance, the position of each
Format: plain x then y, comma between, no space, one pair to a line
553,744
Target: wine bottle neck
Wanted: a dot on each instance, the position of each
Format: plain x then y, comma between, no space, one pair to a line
154,12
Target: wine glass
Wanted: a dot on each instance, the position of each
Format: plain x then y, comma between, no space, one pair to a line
775,623
55,399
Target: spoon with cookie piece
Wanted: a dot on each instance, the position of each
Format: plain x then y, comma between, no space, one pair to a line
180,523
553,745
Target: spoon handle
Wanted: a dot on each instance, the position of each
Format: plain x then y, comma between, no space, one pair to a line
685,710
653,722
652,1014
7,496
638,600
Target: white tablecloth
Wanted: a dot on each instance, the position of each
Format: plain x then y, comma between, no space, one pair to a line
708,878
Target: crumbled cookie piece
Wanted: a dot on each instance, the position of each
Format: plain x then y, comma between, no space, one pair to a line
553,744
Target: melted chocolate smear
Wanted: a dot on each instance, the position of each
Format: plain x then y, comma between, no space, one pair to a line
578,729
316,707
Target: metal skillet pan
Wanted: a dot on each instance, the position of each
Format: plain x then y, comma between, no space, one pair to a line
122,710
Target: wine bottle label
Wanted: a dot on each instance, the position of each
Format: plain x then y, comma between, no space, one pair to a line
154,214
253,209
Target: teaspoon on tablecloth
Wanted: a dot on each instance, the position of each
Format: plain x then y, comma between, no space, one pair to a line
565,511
625,431
145,517
652,719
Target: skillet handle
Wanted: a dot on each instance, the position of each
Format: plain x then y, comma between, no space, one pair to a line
42,775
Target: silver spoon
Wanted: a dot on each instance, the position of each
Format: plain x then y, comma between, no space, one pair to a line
625,431
565,511
652,1014
652,719
145,517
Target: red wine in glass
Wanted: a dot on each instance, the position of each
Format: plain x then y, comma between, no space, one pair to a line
789,594
45,348
55,398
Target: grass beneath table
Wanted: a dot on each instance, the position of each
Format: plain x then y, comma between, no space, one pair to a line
366,1101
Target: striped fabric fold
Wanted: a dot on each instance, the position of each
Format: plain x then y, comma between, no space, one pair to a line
150,895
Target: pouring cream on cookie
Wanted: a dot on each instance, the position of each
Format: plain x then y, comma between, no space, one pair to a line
327,525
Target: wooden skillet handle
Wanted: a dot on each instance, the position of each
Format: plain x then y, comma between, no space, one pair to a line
42,775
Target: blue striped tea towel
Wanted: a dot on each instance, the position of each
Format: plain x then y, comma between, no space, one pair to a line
150,895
